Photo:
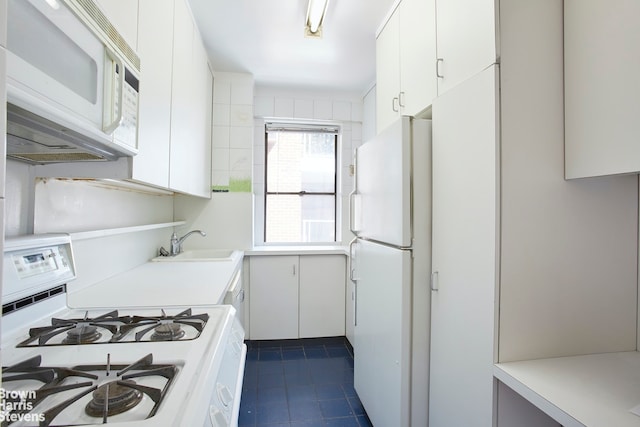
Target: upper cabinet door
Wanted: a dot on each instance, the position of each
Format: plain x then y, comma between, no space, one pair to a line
417,55
155,47
466,40
388,73
405,54
602,95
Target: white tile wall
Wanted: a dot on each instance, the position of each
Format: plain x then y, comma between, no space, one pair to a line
232,131
284,107
303,109
323,109
264,106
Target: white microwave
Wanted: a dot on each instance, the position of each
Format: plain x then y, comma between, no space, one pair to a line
72,84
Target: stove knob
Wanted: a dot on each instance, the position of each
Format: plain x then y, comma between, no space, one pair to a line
224,394
217,418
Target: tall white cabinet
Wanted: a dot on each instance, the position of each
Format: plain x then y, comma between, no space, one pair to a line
520,254
464,243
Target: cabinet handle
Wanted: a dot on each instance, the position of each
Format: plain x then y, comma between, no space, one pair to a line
434,281
394,101
401,99
294,269
438,61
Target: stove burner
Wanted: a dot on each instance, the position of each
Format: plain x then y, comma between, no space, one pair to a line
105,399
78,331
115,397
167,332
82,334
164,328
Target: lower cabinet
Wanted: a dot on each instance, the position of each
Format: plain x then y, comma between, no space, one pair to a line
296,296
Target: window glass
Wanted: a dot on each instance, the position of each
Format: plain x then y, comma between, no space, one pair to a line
300,184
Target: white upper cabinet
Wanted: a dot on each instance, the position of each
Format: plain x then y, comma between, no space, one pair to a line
405,51
602,95
417,53
155,48
190,169
123,14
388,73
466,40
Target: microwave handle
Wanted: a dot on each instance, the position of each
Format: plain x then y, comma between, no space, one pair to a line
111,127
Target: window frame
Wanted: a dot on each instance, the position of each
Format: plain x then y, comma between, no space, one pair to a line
303,128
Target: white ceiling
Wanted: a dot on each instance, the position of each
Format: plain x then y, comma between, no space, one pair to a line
266,38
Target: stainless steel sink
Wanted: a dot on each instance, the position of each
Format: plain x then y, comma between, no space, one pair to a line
201,255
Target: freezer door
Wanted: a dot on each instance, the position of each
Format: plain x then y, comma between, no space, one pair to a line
382,332
383,186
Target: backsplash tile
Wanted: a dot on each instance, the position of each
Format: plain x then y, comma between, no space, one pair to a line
233,132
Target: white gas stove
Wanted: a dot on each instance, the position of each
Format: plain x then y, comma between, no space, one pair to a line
147,366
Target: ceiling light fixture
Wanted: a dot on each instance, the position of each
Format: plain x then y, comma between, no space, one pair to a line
54,4
315,16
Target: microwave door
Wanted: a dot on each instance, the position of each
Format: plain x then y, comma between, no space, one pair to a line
60,58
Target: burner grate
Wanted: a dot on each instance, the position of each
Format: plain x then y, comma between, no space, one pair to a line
90,389
163,328
114,328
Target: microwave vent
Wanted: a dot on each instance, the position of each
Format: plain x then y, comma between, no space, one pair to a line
43,158
93,12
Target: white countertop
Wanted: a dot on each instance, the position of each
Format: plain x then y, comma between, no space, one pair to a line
160,284
596,390
298,250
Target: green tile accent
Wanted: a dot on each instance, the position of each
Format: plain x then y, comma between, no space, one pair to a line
240,185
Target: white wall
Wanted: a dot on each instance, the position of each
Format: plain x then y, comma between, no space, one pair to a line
19,192
369,115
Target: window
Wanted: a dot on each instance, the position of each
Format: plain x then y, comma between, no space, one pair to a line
300,184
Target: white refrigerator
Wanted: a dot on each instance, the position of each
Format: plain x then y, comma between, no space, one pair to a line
390,267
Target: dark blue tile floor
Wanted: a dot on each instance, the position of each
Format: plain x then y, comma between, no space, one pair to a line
300,383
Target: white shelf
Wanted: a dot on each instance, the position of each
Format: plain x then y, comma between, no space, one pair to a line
93,234
596,390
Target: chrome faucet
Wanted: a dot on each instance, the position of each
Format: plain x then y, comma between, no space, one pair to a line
176,243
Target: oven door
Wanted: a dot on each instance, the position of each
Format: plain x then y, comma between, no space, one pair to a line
59,69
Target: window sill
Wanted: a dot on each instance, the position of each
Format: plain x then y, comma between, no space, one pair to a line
297,250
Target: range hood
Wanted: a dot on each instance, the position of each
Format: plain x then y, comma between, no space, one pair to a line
36,140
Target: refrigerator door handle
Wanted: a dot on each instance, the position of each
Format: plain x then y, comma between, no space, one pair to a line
352,196
434,281
352,268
